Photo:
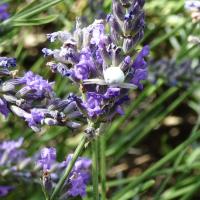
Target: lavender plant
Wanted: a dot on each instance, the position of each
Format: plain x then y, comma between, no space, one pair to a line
42,168
103,64
103,61
32,98
4,12
174,74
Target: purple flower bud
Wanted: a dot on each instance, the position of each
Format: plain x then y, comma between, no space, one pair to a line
4,107
35,85
11,145
47,158
60,35
93,104
79,177
60,68
3,12
82,69
35,117
4,190
112,92
10,151
118,10
140,74
7,62
139,61
47,52
140,66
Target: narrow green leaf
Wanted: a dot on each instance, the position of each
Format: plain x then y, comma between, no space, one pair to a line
34,21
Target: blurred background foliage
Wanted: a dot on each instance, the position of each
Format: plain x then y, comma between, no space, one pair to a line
156,120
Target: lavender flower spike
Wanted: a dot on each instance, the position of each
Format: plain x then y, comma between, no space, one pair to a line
104,63
4,190
79,176
78,179
3,12
32,98
7,62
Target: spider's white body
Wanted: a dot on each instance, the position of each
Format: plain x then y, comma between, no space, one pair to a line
113,76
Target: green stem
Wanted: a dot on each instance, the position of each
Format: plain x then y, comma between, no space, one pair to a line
157,165
69,167
95,169
45,193
103,166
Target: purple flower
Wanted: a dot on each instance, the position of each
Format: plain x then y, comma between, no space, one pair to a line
47,158
35,86
11,144
35,117
140,67
112,92
82,70
60,68
3,12
47,52
79,176
191,5
93,104
4,190
10,151
62,36
7,62
139,75
104,62
4,107
78,187
139,61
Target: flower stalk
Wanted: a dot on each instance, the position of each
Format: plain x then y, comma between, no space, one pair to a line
67,171
95,168
103,166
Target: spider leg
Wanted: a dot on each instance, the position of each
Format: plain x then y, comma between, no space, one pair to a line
94,81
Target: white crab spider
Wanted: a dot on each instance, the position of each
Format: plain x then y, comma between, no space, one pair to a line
113,76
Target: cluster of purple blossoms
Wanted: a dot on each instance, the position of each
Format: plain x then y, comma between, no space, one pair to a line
4,12
182,74
104,64
32,98
78,179
15,163
5,73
